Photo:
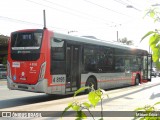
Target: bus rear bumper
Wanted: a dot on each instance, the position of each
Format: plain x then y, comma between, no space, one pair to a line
40,87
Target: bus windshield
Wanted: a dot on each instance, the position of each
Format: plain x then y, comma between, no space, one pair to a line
26,39
25,45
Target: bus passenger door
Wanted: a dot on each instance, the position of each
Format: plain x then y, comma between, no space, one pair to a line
149,66
146,68
72,68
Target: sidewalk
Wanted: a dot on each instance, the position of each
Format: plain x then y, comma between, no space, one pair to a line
124,100
3,82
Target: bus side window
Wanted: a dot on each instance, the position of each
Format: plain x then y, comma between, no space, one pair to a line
119,64
134,64
129,63
90,59
105,61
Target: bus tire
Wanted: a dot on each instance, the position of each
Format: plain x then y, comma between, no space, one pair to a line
91,81
137,79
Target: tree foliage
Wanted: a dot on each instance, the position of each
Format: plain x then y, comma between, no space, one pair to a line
149,112
94,97
4,60
3,40
154,36
126,41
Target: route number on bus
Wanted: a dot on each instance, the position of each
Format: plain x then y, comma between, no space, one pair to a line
59,79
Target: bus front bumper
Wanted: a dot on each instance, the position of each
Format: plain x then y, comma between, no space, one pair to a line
40,87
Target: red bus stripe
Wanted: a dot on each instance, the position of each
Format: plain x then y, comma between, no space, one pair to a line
118,79
113,80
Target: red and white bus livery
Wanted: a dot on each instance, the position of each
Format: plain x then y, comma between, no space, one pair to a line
40,60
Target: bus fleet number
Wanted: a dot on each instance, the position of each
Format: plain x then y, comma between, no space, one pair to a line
59,79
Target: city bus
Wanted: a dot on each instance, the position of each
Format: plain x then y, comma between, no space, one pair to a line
43,61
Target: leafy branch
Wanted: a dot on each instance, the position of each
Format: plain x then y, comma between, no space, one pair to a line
94,97
154,37
147,112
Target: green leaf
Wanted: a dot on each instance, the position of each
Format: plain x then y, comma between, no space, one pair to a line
76,107
154,39
78,119
139,109
155,57
150,109
67,108
146,35
81,114
153,47
156,103
94,97
152,13
80,90
87,105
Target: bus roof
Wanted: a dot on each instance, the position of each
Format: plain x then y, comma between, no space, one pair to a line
89,40
96,41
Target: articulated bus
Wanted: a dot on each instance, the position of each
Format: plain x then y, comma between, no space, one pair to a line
40,60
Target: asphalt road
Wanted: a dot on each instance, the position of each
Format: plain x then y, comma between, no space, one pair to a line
124,99
13,98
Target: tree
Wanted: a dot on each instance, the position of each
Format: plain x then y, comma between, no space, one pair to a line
126,41
3,40
3,49
154,43
4,60
154,40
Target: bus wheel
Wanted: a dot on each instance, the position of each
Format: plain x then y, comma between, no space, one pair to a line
91,81
137,79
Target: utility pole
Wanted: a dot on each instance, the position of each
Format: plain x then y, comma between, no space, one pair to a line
44,18
117,35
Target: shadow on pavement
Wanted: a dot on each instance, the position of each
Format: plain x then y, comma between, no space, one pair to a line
153,96
133,92
30,100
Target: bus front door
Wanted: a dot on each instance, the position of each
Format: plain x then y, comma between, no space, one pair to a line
72,68
149,66
146,68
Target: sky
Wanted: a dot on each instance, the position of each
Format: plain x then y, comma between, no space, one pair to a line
99,18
